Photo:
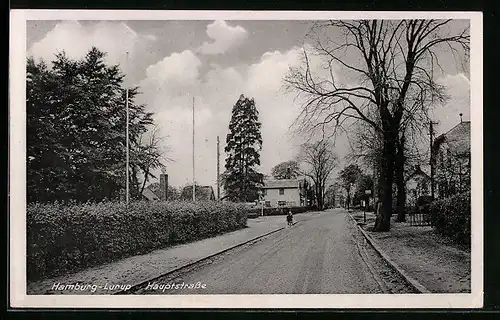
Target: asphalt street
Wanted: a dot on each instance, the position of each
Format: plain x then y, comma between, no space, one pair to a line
319,254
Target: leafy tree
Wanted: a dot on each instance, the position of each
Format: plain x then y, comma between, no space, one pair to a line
363,183
320,161
331,199
348,177
76,130
243,144
452,172
286,170
307,193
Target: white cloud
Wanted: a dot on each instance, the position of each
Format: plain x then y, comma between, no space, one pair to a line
224,37
458,90
178,69
75,38
216,91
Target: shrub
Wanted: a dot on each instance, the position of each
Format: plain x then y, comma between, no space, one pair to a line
62,238
451,217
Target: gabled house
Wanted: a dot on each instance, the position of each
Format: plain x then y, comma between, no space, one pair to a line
282,193
451,159
418,185
202,193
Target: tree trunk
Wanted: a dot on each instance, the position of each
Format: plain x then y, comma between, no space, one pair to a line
348,198
400,183
383,220
319,197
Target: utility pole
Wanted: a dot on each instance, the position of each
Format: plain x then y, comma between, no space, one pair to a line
218,168
432,157
127,195
194,181
127,156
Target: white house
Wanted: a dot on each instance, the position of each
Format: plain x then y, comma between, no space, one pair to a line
281,193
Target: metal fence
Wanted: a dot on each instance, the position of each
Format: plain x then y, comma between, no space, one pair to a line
419,217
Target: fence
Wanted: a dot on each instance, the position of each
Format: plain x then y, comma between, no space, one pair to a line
420,216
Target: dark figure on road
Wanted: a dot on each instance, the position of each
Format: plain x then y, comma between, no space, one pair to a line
289,218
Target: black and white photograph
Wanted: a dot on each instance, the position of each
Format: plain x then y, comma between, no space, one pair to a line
235,159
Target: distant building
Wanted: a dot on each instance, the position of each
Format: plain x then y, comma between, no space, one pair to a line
202,193
282,193
451,156
418,184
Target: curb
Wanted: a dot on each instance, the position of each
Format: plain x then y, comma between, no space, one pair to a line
414,283
139,285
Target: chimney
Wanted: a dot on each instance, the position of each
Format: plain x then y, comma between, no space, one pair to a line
461,114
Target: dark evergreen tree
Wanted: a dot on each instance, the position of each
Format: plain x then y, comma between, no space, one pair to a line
243,144
76,130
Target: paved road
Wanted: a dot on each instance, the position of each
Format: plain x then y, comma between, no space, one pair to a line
317,255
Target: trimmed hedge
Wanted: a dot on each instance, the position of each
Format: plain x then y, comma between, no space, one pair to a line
63,238
451,217
276,211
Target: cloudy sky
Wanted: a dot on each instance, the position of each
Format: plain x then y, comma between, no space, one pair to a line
214,62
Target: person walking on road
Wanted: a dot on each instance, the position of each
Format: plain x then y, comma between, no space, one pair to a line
289,218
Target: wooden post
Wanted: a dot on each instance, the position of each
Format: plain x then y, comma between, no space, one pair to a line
163,187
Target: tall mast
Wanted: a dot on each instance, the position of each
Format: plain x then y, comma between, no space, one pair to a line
127,188
194,181
218,168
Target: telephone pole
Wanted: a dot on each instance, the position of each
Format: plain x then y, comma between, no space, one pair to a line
194,181
127,191
128,147
218,168
432,157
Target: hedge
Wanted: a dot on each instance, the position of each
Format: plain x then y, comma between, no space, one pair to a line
276,211
451,217
64,238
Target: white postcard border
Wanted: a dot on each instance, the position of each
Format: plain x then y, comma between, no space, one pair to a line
17,175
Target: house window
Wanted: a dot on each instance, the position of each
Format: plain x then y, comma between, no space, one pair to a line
264,192
282,191
281,203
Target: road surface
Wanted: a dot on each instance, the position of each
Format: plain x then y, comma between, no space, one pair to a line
319,254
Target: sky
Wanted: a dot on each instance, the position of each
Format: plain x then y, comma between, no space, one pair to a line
214,62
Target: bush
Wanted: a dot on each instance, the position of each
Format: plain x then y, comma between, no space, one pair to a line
276,211
451,217
63,238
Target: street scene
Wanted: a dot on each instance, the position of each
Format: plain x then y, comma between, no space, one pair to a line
202,157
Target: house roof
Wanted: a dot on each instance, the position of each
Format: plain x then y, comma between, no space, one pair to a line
458,138
202,192
150,195
281,184
417,171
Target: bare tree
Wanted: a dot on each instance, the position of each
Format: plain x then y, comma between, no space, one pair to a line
367,144
394,62
320,160
147,156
